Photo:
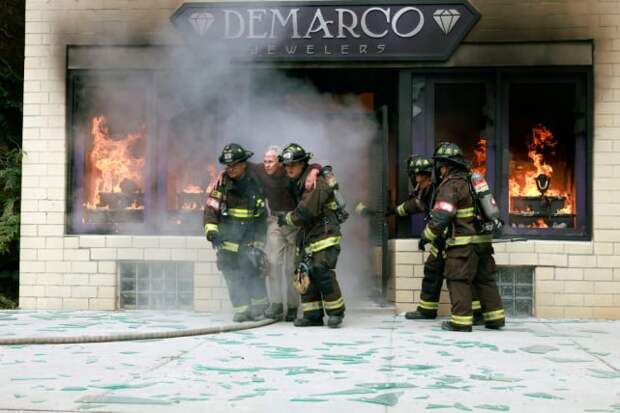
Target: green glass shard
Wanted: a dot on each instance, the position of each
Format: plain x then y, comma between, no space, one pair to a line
387,385
604,374
494,407
568,360
539,349
74,388
493,377
307,400
541,395
348,392
122,400
386,399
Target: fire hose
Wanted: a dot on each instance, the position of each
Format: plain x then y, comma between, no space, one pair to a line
135,336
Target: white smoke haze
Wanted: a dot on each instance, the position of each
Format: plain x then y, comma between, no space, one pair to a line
210,98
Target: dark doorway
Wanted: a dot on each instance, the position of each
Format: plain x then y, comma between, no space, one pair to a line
356,112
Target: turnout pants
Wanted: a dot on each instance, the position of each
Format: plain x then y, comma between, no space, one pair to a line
281,253
246,289
469,265
431,288
323,295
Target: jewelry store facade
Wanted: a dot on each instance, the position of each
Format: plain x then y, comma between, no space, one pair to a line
122,138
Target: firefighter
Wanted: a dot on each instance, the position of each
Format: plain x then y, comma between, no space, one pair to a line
235,224
420,169
469,252
318,241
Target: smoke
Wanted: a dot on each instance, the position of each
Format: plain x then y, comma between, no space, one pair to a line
203,103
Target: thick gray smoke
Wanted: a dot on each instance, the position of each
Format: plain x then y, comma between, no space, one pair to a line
204,103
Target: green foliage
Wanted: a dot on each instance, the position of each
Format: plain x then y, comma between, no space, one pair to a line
10,181
12,18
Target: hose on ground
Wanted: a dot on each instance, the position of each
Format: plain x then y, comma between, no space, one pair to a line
135,336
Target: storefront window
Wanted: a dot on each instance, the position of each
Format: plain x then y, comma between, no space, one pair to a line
110,156
528,134
541,178
545,134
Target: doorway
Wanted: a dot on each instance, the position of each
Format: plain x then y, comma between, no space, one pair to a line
353,112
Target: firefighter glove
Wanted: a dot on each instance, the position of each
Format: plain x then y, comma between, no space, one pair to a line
389,211
215,239
422,243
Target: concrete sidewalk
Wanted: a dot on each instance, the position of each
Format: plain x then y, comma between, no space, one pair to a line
376,363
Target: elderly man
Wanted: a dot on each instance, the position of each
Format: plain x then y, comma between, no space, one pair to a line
280,239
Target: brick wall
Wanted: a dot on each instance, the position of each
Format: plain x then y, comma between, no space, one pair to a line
573,279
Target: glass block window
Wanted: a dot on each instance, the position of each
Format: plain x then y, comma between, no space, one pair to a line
156,285
516,288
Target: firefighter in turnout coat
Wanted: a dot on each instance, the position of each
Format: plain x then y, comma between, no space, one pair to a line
235,224
318,241
420,170
469,252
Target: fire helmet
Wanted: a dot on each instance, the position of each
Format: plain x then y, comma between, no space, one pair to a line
418,164
451,153
234,153
293,153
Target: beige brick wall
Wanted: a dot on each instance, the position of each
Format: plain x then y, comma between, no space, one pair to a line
573,279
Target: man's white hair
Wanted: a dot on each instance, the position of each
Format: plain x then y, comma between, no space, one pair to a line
273,148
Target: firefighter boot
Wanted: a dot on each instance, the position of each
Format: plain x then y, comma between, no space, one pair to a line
335,321
446,325
242,316
308,322
275,311
291,314
417,315
478,319
495,324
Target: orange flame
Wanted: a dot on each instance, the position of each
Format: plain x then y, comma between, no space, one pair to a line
479,163
522,181
111,160
539,223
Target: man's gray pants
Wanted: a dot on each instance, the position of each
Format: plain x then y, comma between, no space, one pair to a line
280,250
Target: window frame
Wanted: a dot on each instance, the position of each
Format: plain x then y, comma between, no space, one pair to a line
498,81
75,153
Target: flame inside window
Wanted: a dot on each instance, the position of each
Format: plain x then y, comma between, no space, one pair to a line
539,190
114,170
479,161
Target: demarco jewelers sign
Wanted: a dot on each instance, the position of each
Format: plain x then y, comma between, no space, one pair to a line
328,30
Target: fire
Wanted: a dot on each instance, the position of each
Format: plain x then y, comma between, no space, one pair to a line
522,181
539,223
192,189
479,163
116,163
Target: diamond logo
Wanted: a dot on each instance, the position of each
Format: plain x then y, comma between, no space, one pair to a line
446,19
201,21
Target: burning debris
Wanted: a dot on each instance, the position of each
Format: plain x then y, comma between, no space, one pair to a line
539,194
113,174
